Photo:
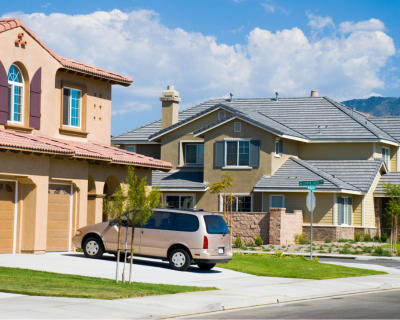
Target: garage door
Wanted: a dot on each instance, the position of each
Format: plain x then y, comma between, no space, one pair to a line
7,210
58,218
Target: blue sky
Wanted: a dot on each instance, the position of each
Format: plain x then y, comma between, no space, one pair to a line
343,49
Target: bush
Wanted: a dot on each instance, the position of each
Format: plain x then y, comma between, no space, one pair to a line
238,242
330,250
367,249
328,240
398,252
249,244
384,236
381,252
259,241
357,236
343,240
345,250
278,254
301,239
376,237
367,237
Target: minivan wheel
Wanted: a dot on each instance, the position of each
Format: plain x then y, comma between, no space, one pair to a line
93,248
206,266
179,260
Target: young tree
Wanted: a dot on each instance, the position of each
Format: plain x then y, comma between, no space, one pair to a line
393,210
223,186
141,200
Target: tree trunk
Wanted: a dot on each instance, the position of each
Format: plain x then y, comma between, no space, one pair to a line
126,254
131,262
224,206
118,246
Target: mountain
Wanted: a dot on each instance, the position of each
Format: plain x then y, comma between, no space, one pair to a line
376,106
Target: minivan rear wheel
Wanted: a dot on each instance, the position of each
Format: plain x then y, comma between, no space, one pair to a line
206,266
93,248
179,260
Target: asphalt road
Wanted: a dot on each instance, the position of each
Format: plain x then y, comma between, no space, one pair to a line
384,263
382,305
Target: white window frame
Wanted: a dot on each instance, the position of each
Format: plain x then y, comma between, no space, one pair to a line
221,200
237,156
181,158
12,84
346,212
221,114
276,195
70,113
181,195
277,154
388,155
131,146
240,127
197,152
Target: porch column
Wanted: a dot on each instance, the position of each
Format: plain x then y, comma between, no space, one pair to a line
363,211
334,211
398,159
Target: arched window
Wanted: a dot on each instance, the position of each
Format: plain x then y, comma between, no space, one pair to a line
15,94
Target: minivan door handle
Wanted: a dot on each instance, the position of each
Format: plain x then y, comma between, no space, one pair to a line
141,232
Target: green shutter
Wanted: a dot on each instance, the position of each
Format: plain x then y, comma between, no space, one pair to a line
219,154
340,210
350,206
254,153
280,147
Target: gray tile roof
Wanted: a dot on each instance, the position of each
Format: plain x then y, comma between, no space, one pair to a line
391,125
179,180
392,177
353,175
313,118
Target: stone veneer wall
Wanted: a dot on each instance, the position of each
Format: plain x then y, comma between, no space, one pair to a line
335,233
284,226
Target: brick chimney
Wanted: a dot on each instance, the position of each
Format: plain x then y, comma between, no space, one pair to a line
314,94
170,107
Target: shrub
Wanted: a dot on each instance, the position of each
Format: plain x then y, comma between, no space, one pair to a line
357,236
249,244
398,252
367,249
330,250
384,236
238,242
376,237
328,240
343,240
316,259
301,239
367,237
278,254
293,256
381,252
259,241
345,250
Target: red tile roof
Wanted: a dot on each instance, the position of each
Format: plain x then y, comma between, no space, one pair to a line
10,23
37,142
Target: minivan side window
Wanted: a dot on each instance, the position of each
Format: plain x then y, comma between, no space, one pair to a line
215,225
187,222
161,220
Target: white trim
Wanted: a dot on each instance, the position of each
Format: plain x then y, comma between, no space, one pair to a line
237,168
363,211
337,226
277,156
398,159
375,178
197,153
224,115
374,150
246,194
238,139
179,195
334,210
234,127
388,152
180,151
287,136
274,195
306,191
237,155
183,190
21,85
70,113
355,140
344,213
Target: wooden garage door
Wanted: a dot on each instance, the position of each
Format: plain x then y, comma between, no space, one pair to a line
7,210
58,218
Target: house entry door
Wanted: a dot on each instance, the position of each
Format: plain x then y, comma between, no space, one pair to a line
7,213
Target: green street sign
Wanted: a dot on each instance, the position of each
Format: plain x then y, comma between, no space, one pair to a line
310,183
311,187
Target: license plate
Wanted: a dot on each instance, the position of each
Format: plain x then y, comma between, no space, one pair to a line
220,250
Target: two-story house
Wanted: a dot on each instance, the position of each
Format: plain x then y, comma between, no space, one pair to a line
56,160
270,145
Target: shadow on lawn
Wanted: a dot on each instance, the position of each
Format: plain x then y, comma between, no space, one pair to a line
143,262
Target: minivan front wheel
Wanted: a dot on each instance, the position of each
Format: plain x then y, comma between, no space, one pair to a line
206,266
179,260
93,248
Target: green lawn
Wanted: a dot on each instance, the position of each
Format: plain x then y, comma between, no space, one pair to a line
40,283
387,246
292,268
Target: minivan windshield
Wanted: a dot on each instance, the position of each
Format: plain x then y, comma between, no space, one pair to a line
215,225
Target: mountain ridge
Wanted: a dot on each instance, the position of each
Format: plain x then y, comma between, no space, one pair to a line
376,106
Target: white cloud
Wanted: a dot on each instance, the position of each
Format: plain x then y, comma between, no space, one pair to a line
137,44
268,7
318,22
369,26
237,30
46,5
372,94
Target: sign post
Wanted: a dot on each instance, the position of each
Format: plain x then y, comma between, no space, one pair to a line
310,201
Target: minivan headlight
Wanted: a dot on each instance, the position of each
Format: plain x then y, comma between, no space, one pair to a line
78,233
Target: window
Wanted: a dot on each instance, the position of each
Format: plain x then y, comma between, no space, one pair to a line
72,102
239,203
237,127
238,153
187,222
131,148
386,156
221,114
161,220
345,209
278,147
194,154
276,201
215,224
15,94
180,202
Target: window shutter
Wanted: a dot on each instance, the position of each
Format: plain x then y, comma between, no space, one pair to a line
340,210
219,154
36,92
350,206
280,147
3,95
254,153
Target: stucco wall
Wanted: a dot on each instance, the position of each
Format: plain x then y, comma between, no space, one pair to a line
336,151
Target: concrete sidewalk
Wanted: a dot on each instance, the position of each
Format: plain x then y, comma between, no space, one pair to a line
237,290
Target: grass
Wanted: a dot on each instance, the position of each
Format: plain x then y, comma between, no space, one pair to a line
40,283
269,266
387,246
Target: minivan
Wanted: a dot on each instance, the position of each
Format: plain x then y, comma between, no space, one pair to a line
177,236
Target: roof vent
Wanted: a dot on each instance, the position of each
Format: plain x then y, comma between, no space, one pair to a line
231,94
276,93
334,175
314,94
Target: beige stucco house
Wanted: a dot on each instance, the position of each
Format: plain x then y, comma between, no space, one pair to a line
55,153
270,145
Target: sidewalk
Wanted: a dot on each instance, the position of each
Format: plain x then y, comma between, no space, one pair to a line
237,290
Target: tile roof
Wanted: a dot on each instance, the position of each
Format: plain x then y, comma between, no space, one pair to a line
392,177
76,150
312,118
10,23
179,180
391,125
351,175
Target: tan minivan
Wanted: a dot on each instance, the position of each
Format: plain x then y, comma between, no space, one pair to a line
178,236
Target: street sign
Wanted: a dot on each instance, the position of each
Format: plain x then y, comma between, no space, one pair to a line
310,201
311,188
310,183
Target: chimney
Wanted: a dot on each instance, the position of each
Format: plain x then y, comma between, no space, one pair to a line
314,93
170,107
